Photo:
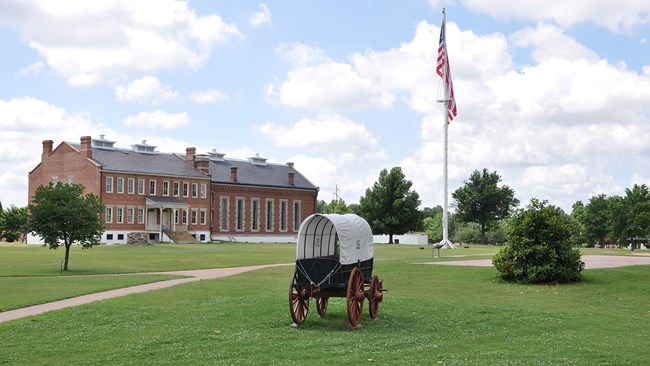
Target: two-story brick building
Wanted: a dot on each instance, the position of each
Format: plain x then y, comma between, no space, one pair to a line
152,196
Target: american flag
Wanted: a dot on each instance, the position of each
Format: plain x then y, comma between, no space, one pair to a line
445,73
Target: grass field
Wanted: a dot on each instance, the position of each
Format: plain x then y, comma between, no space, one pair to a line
432,315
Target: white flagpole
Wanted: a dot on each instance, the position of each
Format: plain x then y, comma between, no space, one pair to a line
445,243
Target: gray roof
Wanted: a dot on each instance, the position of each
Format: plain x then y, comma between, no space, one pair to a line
272,175
130,161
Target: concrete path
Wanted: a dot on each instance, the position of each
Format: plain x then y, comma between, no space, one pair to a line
193,275
591,261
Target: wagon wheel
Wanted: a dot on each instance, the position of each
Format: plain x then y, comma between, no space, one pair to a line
374,296
298,301
321,306
355,296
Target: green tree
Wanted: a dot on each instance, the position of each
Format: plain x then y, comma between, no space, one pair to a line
482,201
62,215
596,219
336,207
630,215
433,226
538,248
14,221
578,229
389,206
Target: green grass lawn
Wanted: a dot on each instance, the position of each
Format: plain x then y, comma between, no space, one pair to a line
432,315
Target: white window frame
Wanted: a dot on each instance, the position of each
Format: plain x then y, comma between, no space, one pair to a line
255,214
119,185
109,184
224,207
141,186
203,216
204,190
130,215
130,186
297,215
119,215
165,188
284,216
108,214
140,215
269,222
152,187
177,189
240,214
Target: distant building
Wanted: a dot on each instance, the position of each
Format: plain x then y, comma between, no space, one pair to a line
152,196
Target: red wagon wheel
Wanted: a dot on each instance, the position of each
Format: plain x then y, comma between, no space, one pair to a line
355,296
374,296
321,306
298,301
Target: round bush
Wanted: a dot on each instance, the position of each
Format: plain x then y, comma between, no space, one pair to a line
538,247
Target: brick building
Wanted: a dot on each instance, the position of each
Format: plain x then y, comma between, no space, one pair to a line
152,196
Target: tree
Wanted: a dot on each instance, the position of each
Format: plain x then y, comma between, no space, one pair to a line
538,248
481,201
14,221
432,225
62,215
389,206
336,207
630,215
596,219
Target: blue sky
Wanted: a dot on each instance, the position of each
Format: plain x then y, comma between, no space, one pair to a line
553,95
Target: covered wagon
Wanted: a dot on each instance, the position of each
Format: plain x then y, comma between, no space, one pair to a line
334,258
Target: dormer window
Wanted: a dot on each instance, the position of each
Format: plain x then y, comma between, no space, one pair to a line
144,148
216,156
102,143
257,160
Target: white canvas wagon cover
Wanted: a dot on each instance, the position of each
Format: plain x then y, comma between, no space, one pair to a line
318,235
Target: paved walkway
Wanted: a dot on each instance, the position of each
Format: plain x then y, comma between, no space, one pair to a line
591,261
193,275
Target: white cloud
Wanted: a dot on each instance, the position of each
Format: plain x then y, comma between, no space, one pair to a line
328,87
208,96
106,41
617,16
327,131
261,17
146,90
158,119
550,42
299,54
34,68
25,123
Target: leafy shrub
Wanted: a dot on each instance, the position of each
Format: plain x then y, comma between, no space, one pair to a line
538,247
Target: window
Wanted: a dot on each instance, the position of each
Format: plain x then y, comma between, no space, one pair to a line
195,214
203,214
223,214
140,215
176,213
109,184
283,215
176,188
130,186
55,180
269,215
140,186
120,185
120,236
297,217
204,190
119,215
109,236
195,189
255,214
109,215
239,225
165,188
152,187
184,217
186,187
129,215
70,179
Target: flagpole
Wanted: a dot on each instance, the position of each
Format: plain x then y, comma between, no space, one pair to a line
445,243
